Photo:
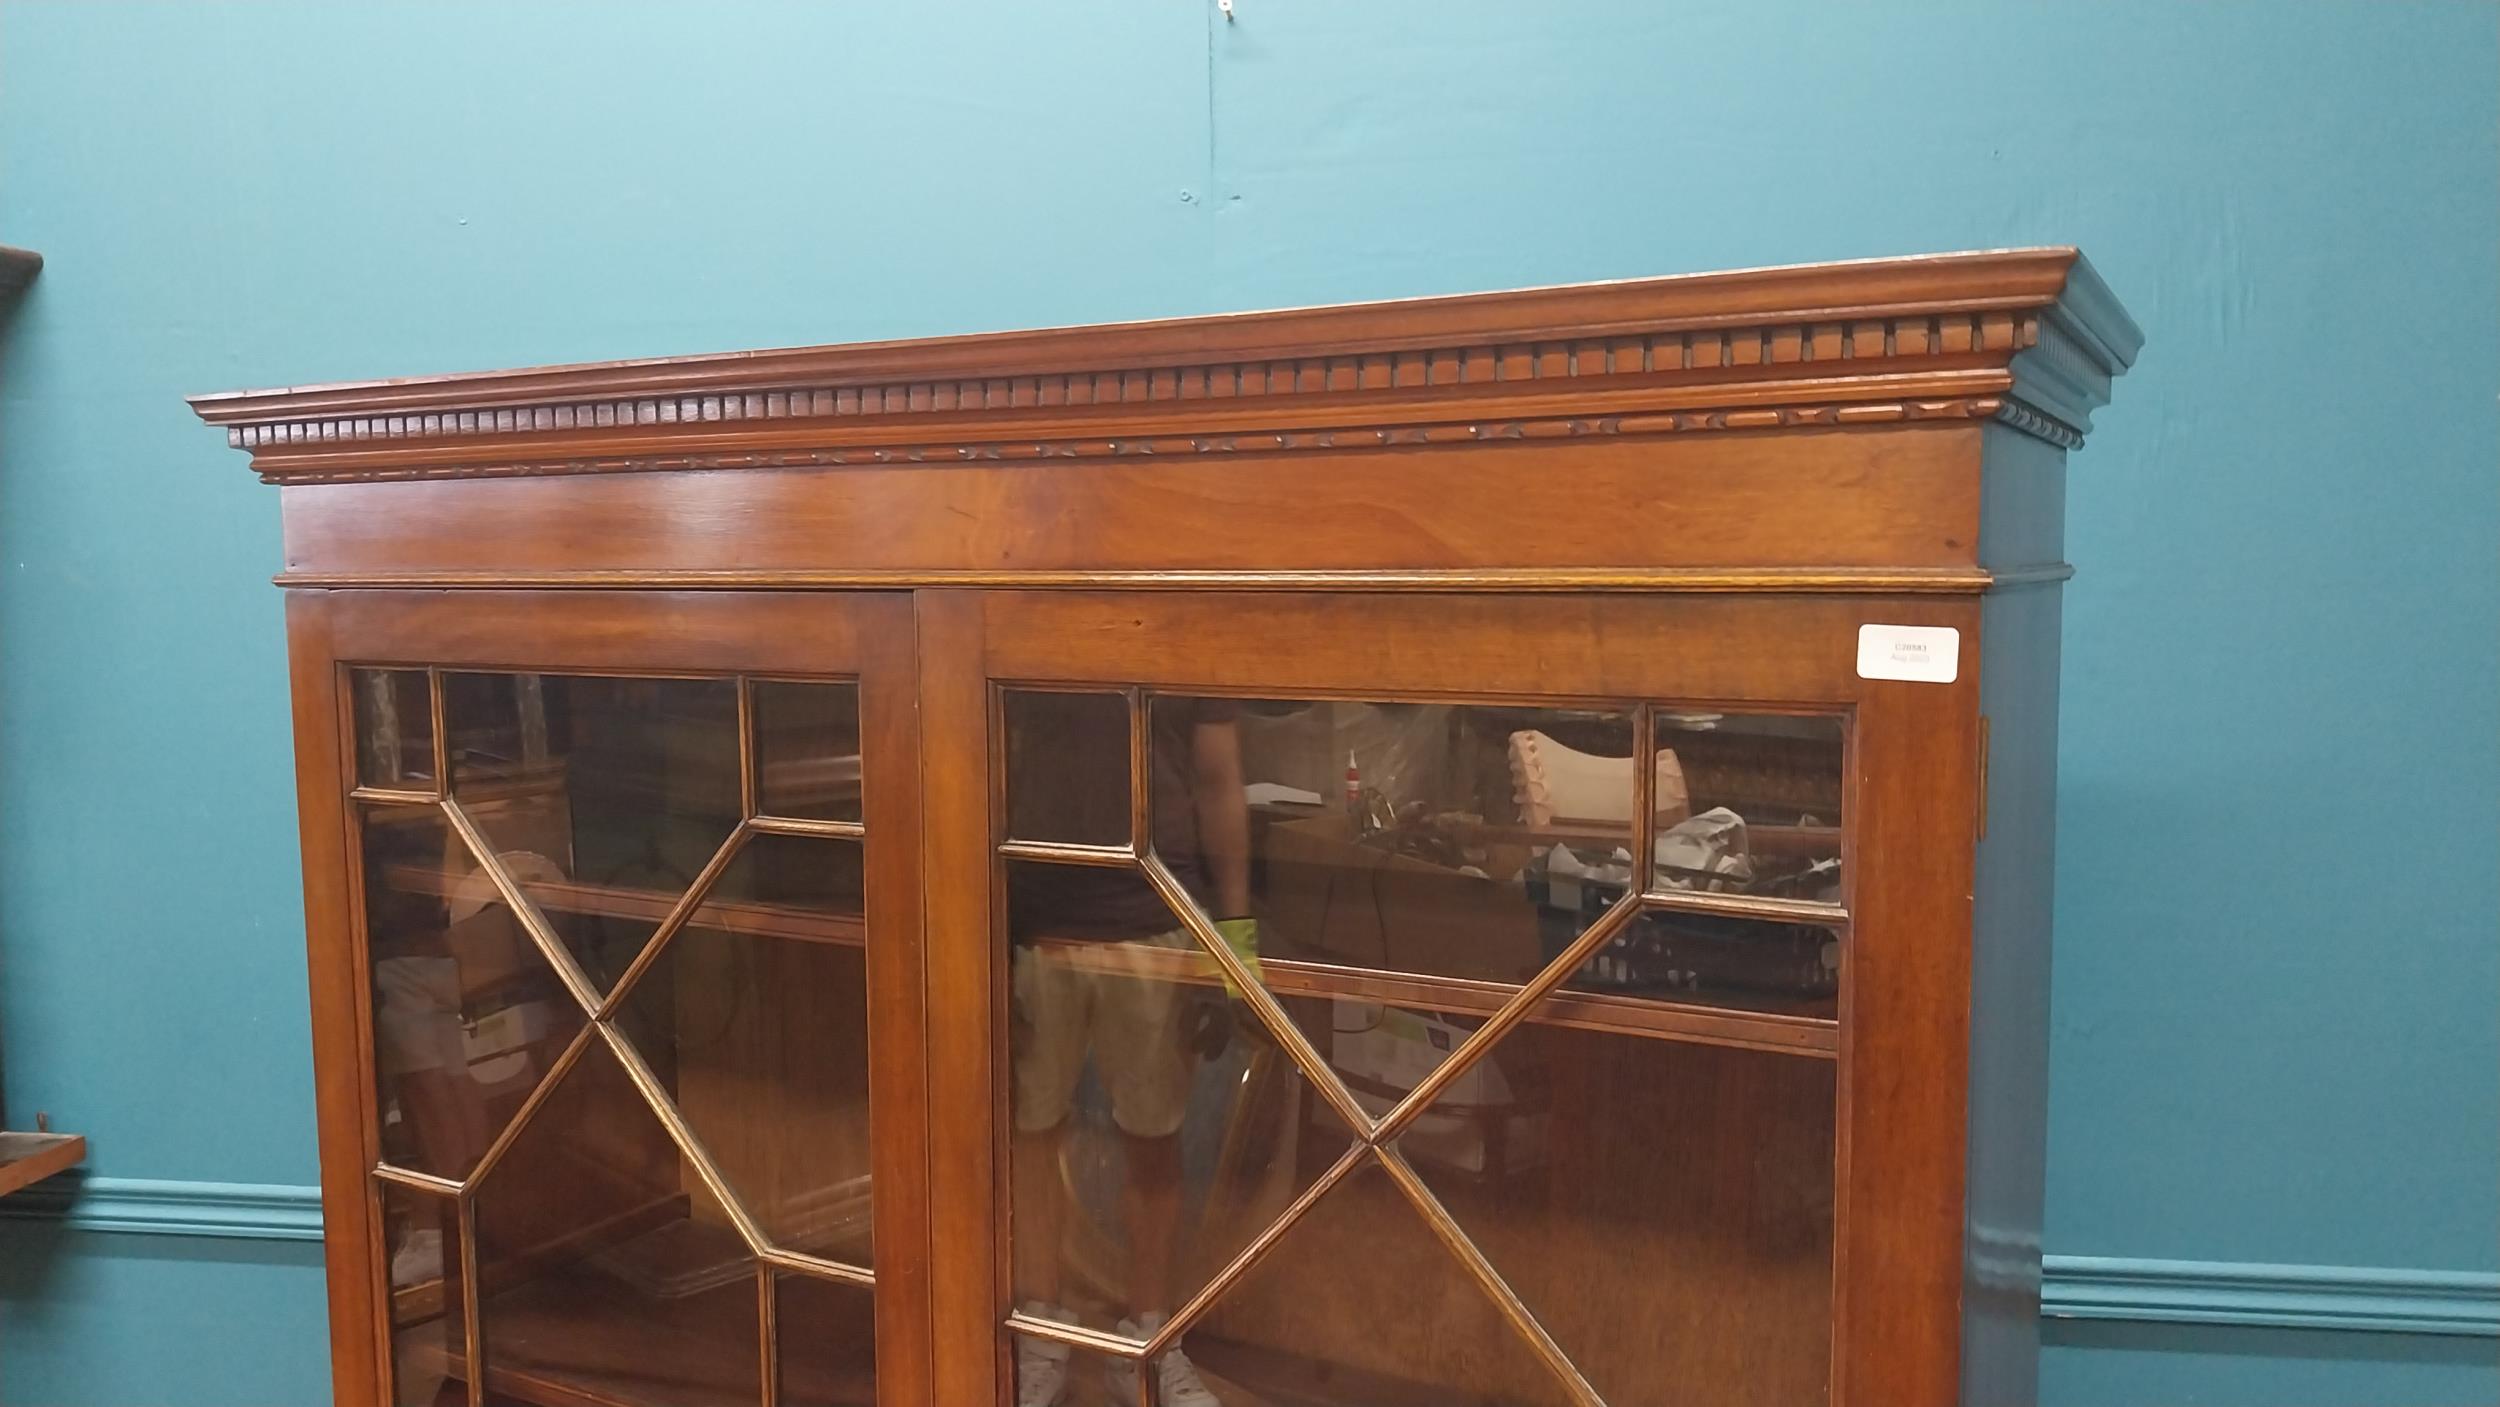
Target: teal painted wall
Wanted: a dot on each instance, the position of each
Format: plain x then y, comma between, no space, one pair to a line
2277,1038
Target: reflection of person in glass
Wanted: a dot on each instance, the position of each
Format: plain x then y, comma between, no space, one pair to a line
1093,978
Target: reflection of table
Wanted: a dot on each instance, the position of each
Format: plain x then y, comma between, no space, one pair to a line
1801,1026
1814,842
807,925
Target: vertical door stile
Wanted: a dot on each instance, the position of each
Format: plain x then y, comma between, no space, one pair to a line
891,743
323,743
966,1269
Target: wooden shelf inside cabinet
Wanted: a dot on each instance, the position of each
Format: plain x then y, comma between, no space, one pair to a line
1281,1380
621,1352
27,1158
1802,1026
652,905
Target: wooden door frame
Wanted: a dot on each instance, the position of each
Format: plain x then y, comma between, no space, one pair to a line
869,636
1901,1102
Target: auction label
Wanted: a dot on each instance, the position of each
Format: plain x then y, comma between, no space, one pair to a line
1914,654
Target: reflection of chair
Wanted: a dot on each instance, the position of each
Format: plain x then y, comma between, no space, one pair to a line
503,987
1259,1167
1254,1175
1558,785
1487,1126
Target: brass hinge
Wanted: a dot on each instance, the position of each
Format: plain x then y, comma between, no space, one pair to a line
1983,776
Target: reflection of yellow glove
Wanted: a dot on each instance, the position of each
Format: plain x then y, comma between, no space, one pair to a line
1242,936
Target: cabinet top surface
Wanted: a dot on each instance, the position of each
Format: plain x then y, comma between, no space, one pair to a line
2028,335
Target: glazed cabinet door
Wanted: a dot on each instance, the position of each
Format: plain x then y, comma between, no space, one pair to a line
616,954
1361,1000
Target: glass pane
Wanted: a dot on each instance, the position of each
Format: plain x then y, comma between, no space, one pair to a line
394,728
1157,1129
603,798
828,1337
467,1015
1789,968
611,1274
755,1018
1067,767
429,1355
1761,811
1395,837
1383,1052
1055,1375
807,750
1664,1209
1358,1305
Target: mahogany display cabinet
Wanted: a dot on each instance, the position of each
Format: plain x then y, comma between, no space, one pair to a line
1477,850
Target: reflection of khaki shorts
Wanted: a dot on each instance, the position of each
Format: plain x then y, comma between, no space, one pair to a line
1100,1000
416,1021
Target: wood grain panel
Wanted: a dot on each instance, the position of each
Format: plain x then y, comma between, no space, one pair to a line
1901,496
1696,649
687,632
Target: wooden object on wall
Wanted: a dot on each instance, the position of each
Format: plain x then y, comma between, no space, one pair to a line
1669,499
18,268
27,1158
30,1157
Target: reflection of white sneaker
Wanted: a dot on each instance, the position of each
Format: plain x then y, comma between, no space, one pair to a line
1041,1365
1174,1373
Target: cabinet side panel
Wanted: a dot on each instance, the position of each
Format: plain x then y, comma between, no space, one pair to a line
2022,502
350,1244
2010,998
